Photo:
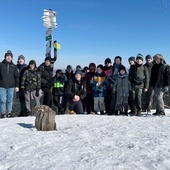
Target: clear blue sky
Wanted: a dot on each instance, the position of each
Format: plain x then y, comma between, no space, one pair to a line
88,30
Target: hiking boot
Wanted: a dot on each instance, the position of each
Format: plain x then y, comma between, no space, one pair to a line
162,113
71,112
156,113
9,115
2,116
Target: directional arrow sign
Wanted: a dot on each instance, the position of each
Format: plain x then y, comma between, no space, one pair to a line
49,19
48,32
49,13
50,25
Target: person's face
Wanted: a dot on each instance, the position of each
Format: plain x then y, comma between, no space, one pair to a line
21,61
8,58
158,61
148,60
69,70
78,77
32,66
107,64
139,61
122,72
92,69
117,61
131,62
99,70
47,63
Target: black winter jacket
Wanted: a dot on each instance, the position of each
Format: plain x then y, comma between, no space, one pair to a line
74,87
9,75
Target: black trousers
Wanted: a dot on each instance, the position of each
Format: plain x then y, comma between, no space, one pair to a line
47,99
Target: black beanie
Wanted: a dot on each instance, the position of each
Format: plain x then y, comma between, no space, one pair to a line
148,56
107,60
78,72
119,58
48,58
9,52
122,68
100,66
139,56
131,59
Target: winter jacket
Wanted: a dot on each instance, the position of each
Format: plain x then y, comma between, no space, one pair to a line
149,67
21,69
75,87
58,87
160,75
122,85
9,76
99,84
87,78
31,80
46,73
138,76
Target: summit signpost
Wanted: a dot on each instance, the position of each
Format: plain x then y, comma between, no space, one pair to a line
49,19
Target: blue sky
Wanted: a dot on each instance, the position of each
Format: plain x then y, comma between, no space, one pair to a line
88,30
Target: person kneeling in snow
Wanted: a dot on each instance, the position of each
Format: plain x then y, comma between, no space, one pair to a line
75,91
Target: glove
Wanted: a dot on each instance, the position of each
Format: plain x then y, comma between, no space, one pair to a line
165,89
37,93
23,92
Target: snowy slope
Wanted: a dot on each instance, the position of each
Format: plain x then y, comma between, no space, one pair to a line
86,142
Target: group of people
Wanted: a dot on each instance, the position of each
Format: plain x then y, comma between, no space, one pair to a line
108,88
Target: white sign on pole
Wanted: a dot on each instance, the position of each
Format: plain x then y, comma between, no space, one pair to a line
49,13
48,32
50,25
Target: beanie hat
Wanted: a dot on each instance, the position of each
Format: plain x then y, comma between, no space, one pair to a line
32,62
78,72
9,52
100,66
78,67
92,65
131,59
69,66
107,60
139,56
21,57
148,56
48,58
122,68
58,71
118,57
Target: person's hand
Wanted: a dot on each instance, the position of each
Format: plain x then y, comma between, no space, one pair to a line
165,89
16,89
37,93
76,98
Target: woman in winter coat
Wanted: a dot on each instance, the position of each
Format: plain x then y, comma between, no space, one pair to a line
75,91
121,88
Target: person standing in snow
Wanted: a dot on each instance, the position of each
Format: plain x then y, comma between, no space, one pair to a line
9,82
30,85
21,68
46,72
99,86
138,76
147,97
160,81
121,88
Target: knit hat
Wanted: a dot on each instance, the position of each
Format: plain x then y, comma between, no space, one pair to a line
78,67
107,60
148,56
32,62
58,71
69,66
21,57
139,56
78,72
8,53
131,59
100,66
158,56
122,68
48,58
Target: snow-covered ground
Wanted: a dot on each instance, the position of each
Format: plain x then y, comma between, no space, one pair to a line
86,142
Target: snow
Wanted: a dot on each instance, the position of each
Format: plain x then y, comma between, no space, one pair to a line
87,142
